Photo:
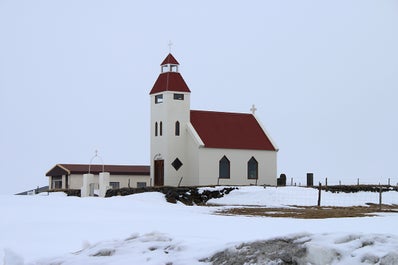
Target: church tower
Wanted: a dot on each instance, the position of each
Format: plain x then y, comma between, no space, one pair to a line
170,114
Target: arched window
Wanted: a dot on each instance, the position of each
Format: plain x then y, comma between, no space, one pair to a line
252,169
224,168
156,128
160,129
177,129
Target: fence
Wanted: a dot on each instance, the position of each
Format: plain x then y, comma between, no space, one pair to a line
325,181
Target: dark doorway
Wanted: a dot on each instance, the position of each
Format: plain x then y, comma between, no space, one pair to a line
159,172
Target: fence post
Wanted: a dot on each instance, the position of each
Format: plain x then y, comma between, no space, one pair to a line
291,182
326,182
319,194
380,196
389,182
339,182
357,181
310,179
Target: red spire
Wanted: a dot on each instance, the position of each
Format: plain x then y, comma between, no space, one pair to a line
169,60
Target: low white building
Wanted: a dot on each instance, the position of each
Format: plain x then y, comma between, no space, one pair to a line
191,147
70,176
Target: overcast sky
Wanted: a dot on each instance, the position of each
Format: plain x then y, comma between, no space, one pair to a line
75,77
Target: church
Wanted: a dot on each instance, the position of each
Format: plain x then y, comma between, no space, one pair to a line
199,148
187,147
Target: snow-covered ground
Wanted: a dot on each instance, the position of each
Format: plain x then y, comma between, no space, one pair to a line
145,229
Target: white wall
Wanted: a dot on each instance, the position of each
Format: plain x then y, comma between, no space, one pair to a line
209,166
168,145
76,180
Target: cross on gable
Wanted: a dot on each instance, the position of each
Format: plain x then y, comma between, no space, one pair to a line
253,109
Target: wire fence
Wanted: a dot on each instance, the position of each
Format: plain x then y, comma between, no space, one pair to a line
329,181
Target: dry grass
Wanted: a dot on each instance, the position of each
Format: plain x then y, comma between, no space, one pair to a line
312,212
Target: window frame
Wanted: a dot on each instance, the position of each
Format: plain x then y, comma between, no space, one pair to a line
177,130
141,184
159,99
56,182
252,165
224,168
115,185
178,96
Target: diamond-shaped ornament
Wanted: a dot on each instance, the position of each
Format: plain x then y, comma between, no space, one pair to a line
177,164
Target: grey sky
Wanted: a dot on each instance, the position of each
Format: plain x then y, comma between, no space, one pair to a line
75,77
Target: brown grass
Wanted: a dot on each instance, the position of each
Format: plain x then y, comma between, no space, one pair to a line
312,212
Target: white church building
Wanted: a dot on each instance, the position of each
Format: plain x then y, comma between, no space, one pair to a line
187,147
198,148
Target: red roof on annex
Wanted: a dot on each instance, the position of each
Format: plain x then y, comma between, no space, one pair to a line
230,130
67,169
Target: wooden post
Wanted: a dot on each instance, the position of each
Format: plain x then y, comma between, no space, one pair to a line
326,182
319,194
357,181
310,179
380,196
291,182
389,182
339,182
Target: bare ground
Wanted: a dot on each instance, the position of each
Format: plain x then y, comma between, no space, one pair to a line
312,212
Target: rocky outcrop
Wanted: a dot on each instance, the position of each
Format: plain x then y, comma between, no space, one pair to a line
186,195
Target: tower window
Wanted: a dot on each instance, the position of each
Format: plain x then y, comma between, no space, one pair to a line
156,128
224,168
173,68
177,128
160,129
178,96
159,99
165,68
252,169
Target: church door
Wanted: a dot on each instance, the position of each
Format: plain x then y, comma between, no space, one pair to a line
159,172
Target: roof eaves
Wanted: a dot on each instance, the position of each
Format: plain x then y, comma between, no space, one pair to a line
195,135
266,133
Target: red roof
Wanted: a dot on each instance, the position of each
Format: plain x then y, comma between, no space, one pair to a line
169,81
169,60
230,130
67,169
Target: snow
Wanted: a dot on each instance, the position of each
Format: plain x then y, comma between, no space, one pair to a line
284,196
144,228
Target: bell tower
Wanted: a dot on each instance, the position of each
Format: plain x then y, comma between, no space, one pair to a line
170,112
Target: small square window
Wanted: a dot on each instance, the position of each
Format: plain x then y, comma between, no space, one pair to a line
177,164
159,98
141,184
114,185
179,96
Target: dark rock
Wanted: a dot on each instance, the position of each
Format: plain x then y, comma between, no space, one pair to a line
186,195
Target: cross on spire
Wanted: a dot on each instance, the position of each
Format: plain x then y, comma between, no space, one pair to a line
253,109
170,44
